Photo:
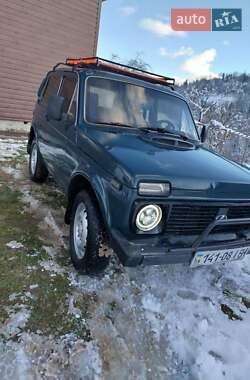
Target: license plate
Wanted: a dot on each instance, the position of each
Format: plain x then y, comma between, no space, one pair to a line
220,256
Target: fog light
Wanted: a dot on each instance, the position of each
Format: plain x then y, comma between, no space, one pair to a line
148,217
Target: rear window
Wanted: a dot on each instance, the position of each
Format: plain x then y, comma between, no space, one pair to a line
51,88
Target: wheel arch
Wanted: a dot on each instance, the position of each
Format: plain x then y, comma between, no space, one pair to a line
81,182
31,137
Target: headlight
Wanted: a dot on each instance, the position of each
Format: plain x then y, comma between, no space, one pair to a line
148,217
149,188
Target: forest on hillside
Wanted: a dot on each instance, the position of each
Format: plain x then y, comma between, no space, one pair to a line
224,105
225,100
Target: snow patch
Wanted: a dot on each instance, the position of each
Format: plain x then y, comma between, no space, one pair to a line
152,309
75,311
15,173
9,148
11,125
87,361
29,200
14,245
16,322
52,266
33,286
51,251
50,222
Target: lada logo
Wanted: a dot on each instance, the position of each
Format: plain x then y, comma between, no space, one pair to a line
221,217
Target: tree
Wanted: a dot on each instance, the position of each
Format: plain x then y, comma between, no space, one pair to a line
137,62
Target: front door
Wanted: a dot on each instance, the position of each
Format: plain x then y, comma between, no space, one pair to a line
46,134
65,131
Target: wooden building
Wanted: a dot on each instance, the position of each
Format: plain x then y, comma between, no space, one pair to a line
34,35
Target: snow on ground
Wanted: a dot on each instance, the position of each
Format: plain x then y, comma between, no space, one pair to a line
167,322
10,147
10,125
14,172
177,311
15,323
14,245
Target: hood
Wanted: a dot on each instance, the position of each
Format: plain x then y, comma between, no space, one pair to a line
193,171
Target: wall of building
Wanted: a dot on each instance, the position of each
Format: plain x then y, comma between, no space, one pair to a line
34,35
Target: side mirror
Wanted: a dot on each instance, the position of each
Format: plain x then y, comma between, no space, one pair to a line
203,134
55,107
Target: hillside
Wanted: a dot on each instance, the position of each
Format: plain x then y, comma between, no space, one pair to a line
224,104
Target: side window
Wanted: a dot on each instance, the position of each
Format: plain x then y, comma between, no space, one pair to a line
72,107
68,91
51,88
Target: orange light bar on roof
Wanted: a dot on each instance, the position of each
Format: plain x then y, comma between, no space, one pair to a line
99,62
77,61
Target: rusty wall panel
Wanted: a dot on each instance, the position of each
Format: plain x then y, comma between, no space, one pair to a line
34,35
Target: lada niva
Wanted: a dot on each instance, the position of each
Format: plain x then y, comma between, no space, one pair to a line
123,146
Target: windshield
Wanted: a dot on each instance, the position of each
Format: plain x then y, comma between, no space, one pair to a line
115,102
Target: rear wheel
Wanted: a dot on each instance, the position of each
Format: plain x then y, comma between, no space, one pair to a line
86,236
37,169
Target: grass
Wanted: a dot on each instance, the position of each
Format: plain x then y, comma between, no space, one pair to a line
21,268
50,195
19,158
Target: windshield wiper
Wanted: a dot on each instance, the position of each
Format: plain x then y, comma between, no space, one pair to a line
116,124
180,134
164,130
148,129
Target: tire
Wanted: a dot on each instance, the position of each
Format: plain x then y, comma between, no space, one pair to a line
37,170
87,236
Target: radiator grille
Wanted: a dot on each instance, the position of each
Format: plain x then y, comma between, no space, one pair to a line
193,219
239,212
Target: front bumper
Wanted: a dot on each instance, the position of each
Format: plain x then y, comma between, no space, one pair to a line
148,252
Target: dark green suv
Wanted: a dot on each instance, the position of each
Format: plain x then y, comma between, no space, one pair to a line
123,146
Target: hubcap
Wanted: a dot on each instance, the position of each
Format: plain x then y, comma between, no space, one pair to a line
80,230
33,159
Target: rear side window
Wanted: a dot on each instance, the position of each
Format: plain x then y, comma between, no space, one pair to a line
51,88
68,91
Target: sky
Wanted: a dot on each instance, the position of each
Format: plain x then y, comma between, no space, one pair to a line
132,26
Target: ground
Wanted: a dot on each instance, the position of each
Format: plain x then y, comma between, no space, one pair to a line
168,322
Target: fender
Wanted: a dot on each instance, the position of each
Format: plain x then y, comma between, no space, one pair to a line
96,187
32,135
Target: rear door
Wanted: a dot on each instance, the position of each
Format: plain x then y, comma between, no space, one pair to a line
65,130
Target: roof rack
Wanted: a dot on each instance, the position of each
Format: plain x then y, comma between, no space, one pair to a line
104,64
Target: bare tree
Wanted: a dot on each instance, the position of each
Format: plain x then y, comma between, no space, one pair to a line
137,62
203,105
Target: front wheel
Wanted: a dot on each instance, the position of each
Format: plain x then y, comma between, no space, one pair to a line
37,169
87,249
